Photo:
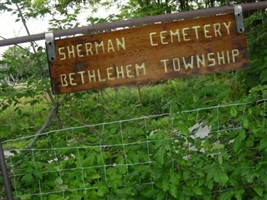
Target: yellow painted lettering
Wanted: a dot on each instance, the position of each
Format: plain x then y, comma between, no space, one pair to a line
200,61
228,57
185,34
163,37
110,46
88,49
109,73
196,28
79,50
211,59
119,72
164,61
91,76
188,64
217,29
99,45
221,58
61,53
99,76
71,78
176,64
175,34
206,31
151,39
120,44
129,71
63,79
141,67
227,26
71,51
235,53
81,73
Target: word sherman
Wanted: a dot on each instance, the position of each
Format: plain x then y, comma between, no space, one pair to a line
91,48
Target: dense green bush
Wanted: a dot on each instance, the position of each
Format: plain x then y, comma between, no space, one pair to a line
152,158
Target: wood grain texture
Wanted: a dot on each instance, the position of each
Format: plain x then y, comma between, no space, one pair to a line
148,53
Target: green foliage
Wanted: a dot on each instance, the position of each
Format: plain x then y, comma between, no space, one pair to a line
257,29
224,165
24,79
23,75
141,8
162,159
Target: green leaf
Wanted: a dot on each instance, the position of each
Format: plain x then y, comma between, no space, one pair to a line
250,141
175,178
263,74
239,141
183,129
221,178
210,184
127,191
197,191
133,157
226,195
174,191
38,174
102,191
217,147
160,195
239,193
59,181
160,155
165,185
263,144
94,176
220,159
27,179
233,111
54,197
186,175
148,194
258,190
245,123
212,170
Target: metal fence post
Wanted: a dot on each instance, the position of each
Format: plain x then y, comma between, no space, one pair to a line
6,180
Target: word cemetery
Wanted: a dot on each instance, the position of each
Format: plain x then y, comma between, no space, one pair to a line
148,53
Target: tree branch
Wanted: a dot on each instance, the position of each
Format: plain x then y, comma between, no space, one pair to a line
46,123
56,112
25,25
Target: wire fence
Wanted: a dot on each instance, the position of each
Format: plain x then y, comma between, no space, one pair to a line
115,159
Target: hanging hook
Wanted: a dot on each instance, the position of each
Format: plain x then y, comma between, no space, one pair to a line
239,19
50,46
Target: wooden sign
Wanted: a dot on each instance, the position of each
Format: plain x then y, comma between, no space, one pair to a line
148,53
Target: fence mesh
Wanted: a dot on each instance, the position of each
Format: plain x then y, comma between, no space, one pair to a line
92,161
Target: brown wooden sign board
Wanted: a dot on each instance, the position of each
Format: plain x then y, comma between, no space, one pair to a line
149,53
